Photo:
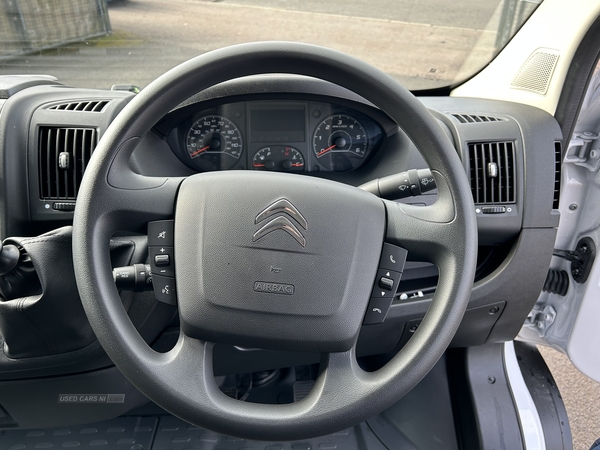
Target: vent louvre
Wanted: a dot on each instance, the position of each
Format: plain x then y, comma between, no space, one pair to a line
557,174
85,106
62,183
475,118
486,188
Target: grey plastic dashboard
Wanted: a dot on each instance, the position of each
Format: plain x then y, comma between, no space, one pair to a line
517,210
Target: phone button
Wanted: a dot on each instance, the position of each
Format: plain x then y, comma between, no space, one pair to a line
377,310
393,258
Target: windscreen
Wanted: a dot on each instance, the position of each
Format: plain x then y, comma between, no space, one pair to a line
424,44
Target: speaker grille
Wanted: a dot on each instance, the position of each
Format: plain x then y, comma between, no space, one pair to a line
537,71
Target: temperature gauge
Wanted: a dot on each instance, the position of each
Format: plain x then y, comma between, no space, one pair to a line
279,158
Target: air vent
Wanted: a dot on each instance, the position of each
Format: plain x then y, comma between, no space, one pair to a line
85,106
475,118
492,166
557,173
63,154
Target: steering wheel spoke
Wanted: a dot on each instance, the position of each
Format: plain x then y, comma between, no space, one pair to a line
338,386
131,209
426,232
408,227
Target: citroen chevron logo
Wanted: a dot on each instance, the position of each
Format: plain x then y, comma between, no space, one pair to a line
282,209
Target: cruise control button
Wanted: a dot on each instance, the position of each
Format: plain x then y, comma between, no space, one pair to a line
164,289
383,288
162,260
161,233
377,310
393,258
161,253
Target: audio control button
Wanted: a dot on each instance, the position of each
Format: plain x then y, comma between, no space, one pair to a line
386,283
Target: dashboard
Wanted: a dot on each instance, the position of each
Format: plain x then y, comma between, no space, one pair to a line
273,135
278,136
48,133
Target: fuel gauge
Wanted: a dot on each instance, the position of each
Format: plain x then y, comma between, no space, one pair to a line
280,158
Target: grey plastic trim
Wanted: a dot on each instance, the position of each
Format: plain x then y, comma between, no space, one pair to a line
531,425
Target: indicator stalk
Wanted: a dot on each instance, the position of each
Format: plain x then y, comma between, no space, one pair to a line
401,185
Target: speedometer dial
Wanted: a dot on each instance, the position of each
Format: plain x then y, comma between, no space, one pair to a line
340,142
214,143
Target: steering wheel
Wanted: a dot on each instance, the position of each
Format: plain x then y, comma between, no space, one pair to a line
218,260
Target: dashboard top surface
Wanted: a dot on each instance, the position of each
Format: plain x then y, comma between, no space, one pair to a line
29,115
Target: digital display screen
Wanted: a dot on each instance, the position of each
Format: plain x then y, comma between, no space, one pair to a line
277,125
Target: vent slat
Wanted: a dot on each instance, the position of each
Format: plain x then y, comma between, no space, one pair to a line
64,173
474,175
51,139
44,158
99,106
475,118
491,160
501,185
557,174
62,183
83,106
74,162
55,161
483,175
487,189
70,137
78,156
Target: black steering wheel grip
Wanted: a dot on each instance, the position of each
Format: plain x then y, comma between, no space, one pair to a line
113,197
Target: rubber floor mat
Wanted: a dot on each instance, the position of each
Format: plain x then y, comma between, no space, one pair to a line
170,433
123,433
175,434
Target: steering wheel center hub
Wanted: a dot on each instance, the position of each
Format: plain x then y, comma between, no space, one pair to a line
285,261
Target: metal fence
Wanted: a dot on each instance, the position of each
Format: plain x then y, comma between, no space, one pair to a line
514,14
32,25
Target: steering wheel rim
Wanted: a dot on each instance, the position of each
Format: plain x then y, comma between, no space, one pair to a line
112,197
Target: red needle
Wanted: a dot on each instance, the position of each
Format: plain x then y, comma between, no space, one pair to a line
297,164
325,150
258,165
197,152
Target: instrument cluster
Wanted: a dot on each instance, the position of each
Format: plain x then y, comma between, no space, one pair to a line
282,136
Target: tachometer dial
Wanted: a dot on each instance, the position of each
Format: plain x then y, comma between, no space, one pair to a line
279,158
214,143
340,142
